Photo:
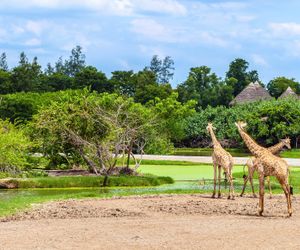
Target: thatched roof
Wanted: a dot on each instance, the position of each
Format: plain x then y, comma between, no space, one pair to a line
288,93
253,92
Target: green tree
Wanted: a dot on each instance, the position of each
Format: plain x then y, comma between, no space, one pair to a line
26,76
14,148
3,62
5,82
98,128
123,82
148,89
76,62
238,70
204,87
163,69
279,84
90,77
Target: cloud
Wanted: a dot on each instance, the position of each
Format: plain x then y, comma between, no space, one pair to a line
37,27
33,42
153,30
109,7
259,60
285,29
164,6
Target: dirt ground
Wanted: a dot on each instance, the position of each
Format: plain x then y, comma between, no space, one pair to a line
154,222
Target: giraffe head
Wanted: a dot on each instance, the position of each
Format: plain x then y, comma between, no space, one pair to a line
240,124
286,142
210,127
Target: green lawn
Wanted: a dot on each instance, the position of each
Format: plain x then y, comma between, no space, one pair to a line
293,153
183,172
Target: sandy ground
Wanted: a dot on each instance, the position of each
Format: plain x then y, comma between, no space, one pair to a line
154,222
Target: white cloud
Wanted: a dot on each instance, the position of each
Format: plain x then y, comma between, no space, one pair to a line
37,27
153,30
285,29
259,60
152,50
165,6
212,39
110,7
33,42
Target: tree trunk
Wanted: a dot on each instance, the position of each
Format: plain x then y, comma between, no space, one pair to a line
129,153
105,181
92,166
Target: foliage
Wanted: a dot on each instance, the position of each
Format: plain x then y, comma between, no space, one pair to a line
279,84
89,181
205,88
238,70
14,147
268,121
163,69
96,127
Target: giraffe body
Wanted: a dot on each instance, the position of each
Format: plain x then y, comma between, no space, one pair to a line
268,165
252,164
221,160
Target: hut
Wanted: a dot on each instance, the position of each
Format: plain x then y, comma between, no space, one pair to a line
253,92
288,93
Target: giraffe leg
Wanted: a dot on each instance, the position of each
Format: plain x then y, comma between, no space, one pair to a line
286,189
269,185
215,180
261,193
246,178
251,182
231,189
219,180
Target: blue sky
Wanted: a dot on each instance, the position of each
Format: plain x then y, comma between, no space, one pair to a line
125,34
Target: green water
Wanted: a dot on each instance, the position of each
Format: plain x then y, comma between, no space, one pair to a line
178,186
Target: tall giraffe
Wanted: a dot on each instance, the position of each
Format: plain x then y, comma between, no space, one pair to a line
252,165
268,165
221,159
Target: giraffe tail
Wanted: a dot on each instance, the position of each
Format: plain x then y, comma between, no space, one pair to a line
244,175
291,187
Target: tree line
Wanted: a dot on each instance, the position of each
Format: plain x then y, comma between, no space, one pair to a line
153,81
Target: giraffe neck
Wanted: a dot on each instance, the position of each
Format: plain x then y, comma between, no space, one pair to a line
253,147
276,148
213,138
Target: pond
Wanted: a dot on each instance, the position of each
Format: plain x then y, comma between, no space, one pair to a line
178,186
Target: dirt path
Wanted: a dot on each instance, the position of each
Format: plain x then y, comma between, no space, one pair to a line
154,222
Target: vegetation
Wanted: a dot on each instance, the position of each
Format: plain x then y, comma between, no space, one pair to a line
72,115
88,181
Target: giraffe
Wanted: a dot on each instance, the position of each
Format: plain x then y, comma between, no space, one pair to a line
268,165
221,159
252,165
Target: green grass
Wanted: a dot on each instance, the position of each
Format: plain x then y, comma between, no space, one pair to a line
89,181
293,153
208,152
294,180
183,172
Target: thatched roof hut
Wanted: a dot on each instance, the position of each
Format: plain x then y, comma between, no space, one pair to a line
288,93
253,92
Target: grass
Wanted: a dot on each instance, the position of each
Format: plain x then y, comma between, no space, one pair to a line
293,153
88,181
183,172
